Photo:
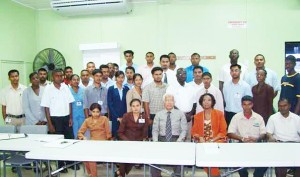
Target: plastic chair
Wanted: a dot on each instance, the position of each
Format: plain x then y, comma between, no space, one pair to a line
19,161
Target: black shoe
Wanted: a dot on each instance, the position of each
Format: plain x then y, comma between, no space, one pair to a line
64,171
291,172
75,167
14,169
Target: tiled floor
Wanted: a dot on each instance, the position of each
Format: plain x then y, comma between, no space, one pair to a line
134,172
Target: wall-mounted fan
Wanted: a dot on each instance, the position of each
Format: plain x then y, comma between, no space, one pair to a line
49,59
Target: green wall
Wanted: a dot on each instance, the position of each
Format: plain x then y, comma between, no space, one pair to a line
182,27
17,40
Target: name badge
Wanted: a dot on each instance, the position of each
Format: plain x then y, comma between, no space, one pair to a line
7,120
78,103
100,102
142,121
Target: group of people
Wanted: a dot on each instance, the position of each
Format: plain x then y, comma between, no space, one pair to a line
164,103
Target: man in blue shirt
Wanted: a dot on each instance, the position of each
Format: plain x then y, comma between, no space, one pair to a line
290,85
195,60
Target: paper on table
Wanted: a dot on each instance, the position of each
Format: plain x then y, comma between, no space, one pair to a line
211,148
46,139
61,143
6,136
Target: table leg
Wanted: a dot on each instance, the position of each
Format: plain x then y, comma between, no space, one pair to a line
112,170
209,172
49,171
107,170
182,171
144,170
193,171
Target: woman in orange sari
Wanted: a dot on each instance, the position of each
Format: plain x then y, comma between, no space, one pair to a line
209,125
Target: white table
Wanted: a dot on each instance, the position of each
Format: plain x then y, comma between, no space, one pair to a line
31,142
247,154
171,153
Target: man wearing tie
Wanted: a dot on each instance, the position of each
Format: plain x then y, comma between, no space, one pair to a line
169,125
169,76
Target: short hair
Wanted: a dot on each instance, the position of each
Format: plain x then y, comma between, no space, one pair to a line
213,100
198,67
231,51
12,71
247,98
94,106
283,99
90,62
157,68
207,74
168,94
164,56
103,66
130,67
110,63
150,53
262,69
119,73
171,53
135,100
74,75
42,69
128,51
236,65
291,58
97,71
32,74
195,54
137,75
68,67
116,65
58,70
84,70
259,55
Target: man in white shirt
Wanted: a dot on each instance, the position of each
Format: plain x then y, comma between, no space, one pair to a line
106,80
224,74
284,126
85,79
173,59
210,88
145,70
271,79
169,76
197,81
56,100
185,98
11,101
128,55
233,92
43,75
248,127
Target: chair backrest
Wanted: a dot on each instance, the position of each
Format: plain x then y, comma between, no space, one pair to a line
7,129
34,129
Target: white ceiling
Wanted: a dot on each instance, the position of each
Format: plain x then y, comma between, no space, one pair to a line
45,4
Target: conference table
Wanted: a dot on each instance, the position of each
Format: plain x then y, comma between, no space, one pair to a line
12,142
247,155
152,153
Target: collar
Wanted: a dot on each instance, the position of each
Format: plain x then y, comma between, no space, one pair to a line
160,86
115,86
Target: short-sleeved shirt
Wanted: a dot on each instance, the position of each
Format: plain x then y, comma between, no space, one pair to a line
271,79
12,99
233,94
252,127
93,94
190,72
145,71
184,96
225,76
290,89
123,68
171,77
153,94
57,100
284,128
216,93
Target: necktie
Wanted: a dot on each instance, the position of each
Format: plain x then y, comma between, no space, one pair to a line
168,128
165,79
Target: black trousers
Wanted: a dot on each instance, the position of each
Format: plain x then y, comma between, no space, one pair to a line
228,117
258,172
61,125
150,126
